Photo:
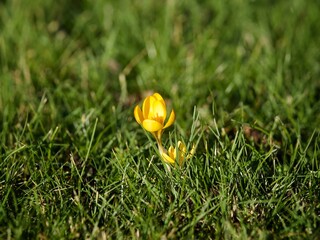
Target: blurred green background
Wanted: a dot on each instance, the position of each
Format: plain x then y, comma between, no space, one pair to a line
258,55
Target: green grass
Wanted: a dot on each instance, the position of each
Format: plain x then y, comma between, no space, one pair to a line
243,78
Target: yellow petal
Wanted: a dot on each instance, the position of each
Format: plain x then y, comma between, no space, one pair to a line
159,98
150,111
146,107
166,158
192,152
159,111
138,114
172,152
182,147
151,125
171,119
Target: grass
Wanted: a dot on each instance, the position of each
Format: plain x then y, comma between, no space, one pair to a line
243,78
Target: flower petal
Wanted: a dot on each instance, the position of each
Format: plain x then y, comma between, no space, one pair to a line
151,125
167,159
146,107
159,98
192,152
138,115
159,111
172,152
171,119
182,147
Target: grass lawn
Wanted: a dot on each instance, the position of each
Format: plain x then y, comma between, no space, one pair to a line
243,78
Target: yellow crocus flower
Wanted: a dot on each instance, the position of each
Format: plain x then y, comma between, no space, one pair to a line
153,114
178,155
